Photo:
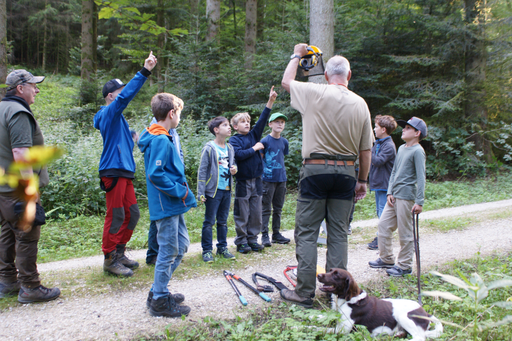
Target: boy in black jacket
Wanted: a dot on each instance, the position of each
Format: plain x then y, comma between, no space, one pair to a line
248,190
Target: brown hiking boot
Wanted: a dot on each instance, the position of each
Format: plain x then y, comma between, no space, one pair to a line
121,258
114,267
38,294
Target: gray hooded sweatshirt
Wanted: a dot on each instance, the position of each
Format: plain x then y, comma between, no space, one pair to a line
208,173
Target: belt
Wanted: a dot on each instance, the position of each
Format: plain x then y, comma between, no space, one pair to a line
327,162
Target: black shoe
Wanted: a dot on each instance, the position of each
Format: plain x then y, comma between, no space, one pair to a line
397,272
37,294
256,247
279,239
380,264
243,248
374,245
166,306
121,258
292,297
265,240
178,298
10,289
224,252
151,261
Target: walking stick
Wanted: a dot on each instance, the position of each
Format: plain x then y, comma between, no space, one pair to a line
416,235
233,285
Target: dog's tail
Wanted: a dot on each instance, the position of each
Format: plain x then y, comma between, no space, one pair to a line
438,330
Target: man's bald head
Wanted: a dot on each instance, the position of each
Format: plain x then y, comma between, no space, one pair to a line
338,66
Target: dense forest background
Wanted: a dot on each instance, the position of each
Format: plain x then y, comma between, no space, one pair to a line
448,62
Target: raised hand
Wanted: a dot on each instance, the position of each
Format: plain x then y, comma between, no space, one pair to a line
150,62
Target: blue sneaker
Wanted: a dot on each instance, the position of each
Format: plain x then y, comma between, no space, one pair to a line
380,264
397,272
208,257
224,252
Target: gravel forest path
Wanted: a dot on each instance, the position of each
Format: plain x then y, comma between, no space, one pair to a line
122,315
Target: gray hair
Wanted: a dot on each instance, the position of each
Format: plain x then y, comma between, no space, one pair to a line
337,65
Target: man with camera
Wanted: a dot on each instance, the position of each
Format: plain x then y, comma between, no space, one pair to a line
19,131
337,130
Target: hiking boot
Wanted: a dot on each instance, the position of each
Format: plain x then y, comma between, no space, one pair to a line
380,264
121,257
151,261
265,240
292,297
37,294
114,267
374,245
178,298
207,257
224,252
397,272
10,289
256,247
166,306
243,248
279,239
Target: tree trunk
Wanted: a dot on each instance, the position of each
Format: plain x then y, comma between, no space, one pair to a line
88,52
45,36
213,17
3,45
321,30
160,43
476,62
194,17
250,31
260,20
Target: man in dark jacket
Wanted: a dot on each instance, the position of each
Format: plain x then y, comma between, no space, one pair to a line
19,131
117,170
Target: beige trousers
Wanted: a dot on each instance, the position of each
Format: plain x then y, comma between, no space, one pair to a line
399,216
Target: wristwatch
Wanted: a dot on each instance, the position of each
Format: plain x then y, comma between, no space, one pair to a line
295,56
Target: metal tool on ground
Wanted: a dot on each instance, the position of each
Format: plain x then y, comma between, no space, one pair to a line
290,268
233,285
261,288
276,283
262,295
416,235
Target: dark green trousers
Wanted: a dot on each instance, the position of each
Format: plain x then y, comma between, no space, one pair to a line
325,192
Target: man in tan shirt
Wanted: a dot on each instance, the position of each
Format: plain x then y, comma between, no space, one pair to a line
337,130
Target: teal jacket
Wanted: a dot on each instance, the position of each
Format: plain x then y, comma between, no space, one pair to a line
168,191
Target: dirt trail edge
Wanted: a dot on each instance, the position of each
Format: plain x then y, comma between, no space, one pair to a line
123,316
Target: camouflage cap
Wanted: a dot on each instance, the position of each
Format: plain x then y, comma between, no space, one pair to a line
18,77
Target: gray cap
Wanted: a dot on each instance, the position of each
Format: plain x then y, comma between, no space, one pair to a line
18,77
416,123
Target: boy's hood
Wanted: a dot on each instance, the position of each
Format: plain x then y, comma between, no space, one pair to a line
148,134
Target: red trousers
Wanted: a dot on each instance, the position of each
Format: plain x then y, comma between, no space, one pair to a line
122,214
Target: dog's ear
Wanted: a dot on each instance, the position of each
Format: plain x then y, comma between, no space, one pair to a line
351,288
346,289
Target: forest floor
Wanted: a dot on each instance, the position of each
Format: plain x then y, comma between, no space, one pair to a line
87,310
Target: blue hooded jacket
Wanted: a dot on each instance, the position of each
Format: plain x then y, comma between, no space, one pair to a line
117,156
168,191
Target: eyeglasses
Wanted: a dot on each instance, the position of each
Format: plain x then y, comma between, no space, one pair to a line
32,84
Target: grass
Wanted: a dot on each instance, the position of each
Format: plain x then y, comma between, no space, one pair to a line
285,322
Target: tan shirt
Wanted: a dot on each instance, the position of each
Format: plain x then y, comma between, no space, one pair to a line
335,120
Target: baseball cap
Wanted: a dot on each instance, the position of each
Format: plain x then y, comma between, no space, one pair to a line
277,115
111,86
21,76
416,123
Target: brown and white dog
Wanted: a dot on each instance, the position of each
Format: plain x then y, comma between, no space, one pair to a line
386,316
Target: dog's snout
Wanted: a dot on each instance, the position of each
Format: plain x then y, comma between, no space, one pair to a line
321,276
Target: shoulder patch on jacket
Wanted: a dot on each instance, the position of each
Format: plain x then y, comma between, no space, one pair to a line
158,162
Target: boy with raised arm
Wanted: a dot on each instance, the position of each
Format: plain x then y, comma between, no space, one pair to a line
248,190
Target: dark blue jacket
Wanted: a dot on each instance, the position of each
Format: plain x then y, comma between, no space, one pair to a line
249,162
382,163
117,156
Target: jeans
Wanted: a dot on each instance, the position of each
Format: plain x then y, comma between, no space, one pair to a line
152,252
380,201
216,209
173,243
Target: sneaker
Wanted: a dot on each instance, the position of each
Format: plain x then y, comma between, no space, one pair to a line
243,248
151,261
397,272
121,258
208,257
265,240
178,298
224,252
166,306
256,247
10,289
37,294
279,239
292,297
112,266
374,245
380,264
349,232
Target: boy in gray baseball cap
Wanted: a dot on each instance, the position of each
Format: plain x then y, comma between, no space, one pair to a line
405,197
